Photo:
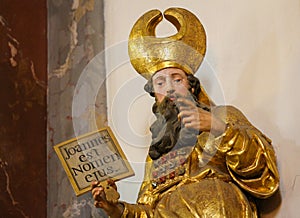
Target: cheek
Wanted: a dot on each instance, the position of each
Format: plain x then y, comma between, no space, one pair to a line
159,97
182,90
160,93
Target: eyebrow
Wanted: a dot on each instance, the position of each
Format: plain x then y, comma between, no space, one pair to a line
176,74
159,77
172,75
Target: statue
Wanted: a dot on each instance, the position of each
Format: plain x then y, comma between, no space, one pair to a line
204,160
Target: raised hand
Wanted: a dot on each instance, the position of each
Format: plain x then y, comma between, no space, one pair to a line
197,118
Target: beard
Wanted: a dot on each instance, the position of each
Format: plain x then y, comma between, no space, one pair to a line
167,131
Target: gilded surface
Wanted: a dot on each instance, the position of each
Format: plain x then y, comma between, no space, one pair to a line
222,172
184,50
222,175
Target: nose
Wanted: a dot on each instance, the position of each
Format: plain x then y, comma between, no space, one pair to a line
170,91
170,88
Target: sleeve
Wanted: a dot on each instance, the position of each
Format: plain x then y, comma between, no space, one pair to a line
250,157
146,199
136,211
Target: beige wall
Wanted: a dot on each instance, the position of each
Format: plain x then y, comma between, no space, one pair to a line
253,57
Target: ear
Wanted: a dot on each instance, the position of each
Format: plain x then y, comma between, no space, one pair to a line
193,90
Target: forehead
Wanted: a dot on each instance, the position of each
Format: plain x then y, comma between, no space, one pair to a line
169,72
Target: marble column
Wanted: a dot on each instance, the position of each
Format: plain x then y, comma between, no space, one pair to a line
23,76
76,71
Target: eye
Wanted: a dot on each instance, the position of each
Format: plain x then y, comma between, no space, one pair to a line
178,80
159,83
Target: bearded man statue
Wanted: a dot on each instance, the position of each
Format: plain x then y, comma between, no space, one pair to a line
204,160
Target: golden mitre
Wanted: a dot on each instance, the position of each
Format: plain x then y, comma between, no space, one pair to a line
185,50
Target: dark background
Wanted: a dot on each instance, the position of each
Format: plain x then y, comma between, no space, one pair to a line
23,110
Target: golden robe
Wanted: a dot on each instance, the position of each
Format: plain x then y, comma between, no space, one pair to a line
221,175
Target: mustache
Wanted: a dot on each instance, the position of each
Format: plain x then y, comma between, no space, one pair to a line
174,105
166,108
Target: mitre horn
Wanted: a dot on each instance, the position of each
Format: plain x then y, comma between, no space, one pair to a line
185,49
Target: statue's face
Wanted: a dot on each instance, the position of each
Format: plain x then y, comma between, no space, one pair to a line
170,82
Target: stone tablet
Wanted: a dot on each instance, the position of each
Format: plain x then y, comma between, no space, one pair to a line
93,156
